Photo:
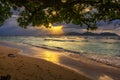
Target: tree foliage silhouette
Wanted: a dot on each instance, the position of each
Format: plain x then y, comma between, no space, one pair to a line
46,12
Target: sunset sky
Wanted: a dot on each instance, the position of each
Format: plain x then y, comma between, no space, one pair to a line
11,27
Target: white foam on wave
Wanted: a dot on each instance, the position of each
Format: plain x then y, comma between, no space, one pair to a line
109,60
106,59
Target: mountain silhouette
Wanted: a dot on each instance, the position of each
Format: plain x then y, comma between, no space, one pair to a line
91,34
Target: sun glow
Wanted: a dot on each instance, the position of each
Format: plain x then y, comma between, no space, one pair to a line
56,30
88,9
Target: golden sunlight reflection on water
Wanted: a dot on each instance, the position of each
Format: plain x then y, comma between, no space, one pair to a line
49,56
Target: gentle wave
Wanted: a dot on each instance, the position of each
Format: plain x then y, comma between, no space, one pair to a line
109,60
102,50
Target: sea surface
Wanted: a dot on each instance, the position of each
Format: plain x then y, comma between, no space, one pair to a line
103,49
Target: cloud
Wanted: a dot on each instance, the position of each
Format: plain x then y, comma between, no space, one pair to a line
11,27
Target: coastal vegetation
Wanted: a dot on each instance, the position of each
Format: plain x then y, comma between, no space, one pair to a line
49,12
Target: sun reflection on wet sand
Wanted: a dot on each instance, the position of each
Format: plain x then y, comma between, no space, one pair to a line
49,56
105,77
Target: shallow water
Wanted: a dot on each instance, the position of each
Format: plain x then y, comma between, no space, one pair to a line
75,44
103,49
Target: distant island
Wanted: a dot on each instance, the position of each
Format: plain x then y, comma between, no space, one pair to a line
91,34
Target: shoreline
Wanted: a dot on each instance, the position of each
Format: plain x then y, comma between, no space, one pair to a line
107,60
22,67
83,65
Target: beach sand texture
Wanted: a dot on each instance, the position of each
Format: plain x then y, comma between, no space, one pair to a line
21,67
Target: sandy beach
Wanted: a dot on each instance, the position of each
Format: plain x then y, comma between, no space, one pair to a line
46,64
21,67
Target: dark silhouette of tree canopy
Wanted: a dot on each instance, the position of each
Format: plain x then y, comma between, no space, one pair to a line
45,12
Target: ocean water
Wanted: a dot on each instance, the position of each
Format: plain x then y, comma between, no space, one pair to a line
101,49
75,44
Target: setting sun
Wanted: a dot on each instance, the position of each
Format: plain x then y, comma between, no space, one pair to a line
56,30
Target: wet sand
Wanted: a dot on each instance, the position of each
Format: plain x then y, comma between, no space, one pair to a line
81,66
21,67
